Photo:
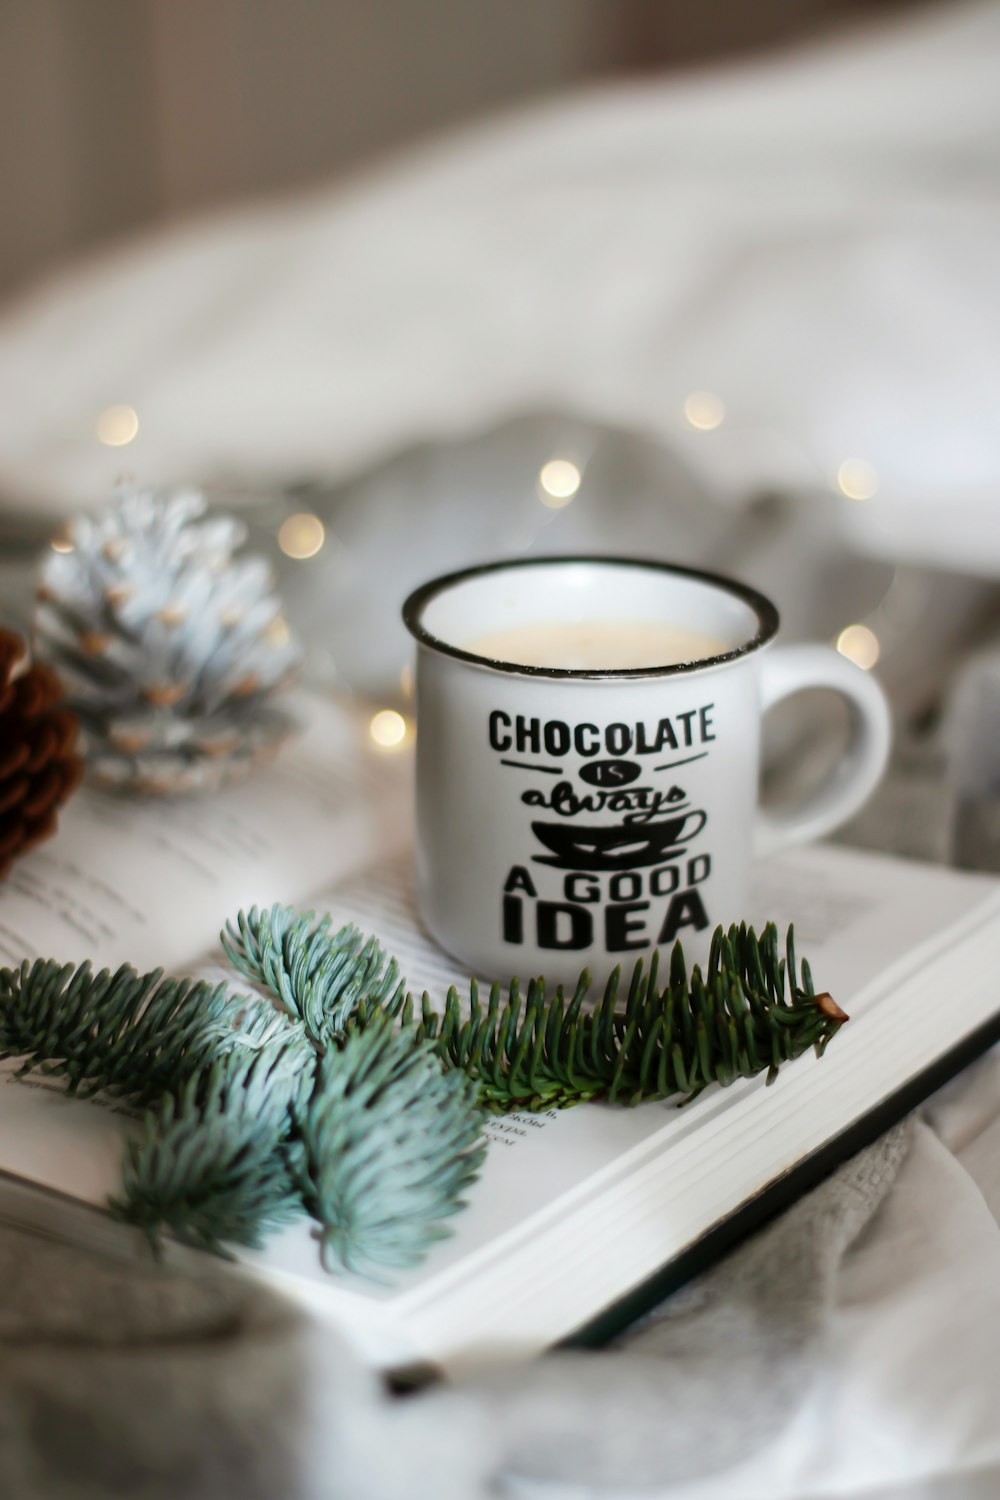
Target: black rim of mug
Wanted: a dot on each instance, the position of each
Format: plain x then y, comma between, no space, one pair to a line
767,617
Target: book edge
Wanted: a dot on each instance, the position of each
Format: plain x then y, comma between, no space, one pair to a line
782,1192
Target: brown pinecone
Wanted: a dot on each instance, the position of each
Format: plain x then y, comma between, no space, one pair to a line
39,766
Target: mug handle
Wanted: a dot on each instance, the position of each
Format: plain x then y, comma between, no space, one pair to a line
791,669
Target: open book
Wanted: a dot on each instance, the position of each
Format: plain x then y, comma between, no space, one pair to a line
581,1217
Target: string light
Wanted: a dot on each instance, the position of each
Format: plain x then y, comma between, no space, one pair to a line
388,728
301,536
558,482
117,425
62,543
860,645
857,479
704,410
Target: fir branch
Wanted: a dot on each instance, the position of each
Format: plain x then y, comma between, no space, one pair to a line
747,1013
317,976
391,1142
211,1165
734,1021
137,1036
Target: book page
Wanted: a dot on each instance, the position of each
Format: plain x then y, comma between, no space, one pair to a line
151,881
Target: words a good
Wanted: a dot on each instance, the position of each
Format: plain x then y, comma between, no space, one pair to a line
624,924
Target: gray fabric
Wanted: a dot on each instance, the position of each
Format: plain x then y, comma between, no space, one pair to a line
122,1379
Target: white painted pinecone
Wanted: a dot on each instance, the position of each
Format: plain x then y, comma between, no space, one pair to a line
169,647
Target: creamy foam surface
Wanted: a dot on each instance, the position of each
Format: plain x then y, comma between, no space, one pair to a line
596,645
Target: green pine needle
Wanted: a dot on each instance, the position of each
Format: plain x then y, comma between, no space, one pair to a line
543,1051
134,1035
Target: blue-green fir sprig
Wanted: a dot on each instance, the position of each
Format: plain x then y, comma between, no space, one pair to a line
331,1091
379,1196
213,1162
134,1035
316,975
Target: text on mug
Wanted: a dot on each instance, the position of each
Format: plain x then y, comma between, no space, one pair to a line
556,737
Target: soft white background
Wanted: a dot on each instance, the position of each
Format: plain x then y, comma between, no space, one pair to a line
812,237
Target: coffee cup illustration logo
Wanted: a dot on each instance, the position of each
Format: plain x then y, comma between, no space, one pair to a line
625,847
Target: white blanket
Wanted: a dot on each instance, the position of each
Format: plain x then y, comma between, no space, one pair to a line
813,238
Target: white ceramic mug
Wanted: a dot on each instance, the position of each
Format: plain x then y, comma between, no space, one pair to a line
570,818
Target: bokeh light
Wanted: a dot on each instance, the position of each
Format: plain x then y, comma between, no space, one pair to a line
301,536
117,425
860,645
704,410
857,479
558,482
388,728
